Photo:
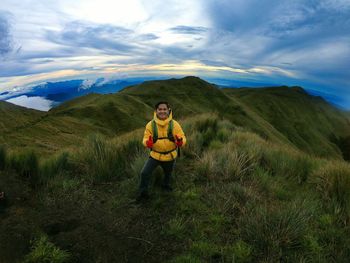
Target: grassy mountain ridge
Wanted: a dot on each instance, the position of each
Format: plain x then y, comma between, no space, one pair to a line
13,116
246,189
307,121
291,115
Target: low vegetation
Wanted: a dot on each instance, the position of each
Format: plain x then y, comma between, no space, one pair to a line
238,198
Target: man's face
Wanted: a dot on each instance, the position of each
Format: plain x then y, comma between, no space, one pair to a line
162,111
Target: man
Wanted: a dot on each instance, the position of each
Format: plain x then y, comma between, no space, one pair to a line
163,136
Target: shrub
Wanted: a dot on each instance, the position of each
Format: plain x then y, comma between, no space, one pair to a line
44,251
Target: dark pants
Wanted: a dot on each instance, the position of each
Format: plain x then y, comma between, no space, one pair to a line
149,167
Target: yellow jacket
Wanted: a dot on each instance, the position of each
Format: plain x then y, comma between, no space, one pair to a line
163,145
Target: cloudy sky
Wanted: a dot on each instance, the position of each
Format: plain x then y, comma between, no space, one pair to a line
292,42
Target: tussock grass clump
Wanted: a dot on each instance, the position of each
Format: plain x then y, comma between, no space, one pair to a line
250,143
208,128
287,163
226,163
206,132
25,164
209,123
44,251
53,166
100,159
207,166
333,183
2,157
194,145
275,234
103,159
234,163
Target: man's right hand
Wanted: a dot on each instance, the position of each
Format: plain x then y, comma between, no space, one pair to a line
149,142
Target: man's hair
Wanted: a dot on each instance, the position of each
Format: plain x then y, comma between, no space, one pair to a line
162,102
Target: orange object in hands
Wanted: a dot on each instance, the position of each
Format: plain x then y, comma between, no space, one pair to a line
149,143
178,141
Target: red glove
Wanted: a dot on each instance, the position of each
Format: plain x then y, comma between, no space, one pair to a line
178,141
149,143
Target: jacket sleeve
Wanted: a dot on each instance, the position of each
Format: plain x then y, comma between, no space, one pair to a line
179,132
147,133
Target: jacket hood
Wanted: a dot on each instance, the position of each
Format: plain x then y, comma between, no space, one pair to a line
162,122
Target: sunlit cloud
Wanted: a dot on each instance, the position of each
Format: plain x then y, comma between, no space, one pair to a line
106,70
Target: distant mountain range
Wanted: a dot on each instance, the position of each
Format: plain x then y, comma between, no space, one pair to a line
52,94
58,92
282,114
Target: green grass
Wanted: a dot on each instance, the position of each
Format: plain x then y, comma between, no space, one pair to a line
238,197
291,116
275,234
25,163
305,120
54,166
102,160
44,251
333,183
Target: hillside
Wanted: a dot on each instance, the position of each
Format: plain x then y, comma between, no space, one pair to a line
247,188
13,117
309,122
291,116
238,198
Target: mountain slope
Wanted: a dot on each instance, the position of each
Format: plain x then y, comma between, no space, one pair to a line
14,117
285,115
309,122
192,95
131,108
236,198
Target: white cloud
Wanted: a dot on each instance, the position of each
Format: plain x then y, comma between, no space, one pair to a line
38,103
